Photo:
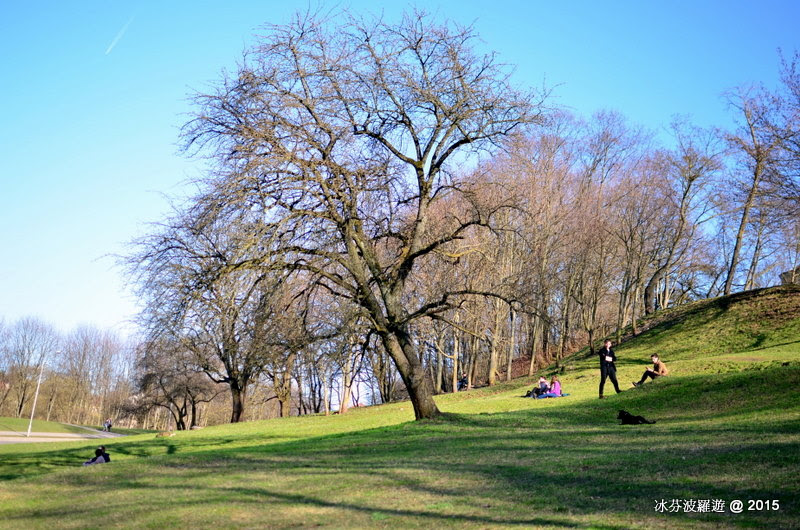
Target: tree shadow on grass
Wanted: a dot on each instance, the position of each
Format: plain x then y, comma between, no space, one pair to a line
570,465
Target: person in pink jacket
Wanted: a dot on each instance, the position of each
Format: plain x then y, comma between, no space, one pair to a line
555,389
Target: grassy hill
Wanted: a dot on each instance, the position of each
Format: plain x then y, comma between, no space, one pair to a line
728,429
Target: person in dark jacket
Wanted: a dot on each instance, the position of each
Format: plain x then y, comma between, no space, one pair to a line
607,367
98,458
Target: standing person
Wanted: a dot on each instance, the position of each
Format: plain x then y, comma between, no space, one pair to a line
659,369
607,367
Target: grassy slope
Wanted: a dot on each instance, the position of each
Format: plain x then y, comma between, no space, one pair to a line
20,425
727,429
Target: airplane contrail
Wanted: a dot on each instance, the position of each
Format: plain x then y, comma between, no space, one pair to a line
119,35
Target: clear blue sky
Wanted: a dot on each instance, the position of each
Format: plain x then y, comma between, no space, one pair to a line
93,93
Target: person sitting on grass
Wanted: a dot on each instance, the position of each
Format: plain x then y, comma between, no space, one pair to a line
105,454
98,458
543,387
555,389
540,388
659,369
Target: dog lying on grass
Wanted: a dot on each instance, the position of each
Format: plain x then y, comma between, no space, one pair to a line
626,418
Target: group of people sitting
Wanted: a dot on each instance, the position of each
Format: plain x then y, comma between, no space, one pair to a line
543,389
100,457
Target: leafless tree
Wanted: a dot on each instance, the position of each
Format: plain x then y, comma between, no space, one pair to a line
687,171
757,151
219,318
340,139
25,345
169,378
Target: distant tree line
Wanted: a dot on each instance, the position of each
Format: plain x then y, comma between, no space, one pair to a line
85,373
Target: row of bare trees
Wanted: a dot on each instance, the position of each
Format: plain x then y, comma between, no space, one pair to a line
385,213
84,373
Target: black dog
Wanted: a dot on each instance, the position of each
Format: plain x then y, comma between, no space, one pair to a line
626,418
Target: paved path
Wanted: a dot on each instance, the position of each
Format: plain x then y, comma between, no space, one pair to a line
13,437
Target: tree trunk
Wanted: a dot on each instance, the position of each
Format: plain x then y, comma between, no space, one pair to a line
752,271
737,247
534,339
439,366
326,390
21,403
456,343
413,373
495,344
634,325
511,345
237,399
301,406
193,417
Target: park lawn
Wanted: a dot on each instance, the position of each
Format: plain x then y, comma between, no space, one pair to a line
21,425
560,462
728,428
123,430
764,320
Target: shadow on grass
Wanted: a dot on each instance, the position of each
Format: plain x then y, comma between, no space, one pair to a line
570,465
738,322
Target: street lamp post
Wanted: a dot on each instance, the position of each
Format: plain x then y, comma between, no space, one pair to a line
36,395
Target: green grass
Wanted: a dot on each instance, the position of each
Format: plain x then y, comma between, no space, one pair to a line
123,430
763,323
728,428
20,425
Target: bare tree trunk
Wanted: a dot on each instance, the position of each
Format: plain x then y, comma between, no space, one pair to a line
511,344
413,373
439,362
634,319
237,399
347,385
534,341
21,402
752,271
456,348
737,247
193,417
326,390
495,344
758,154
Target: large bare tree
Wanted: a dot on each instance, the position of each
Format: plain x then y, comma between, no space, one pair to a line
339,139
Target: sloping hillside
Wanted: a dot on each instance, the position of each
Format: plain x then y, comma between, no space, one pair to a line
764,320
728,429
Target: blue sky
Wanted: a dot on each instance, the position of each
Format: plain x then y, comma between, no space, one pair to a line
93,95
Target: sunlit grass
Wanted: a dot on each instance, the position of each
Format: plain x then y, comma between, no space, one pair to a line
20,425
728,427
